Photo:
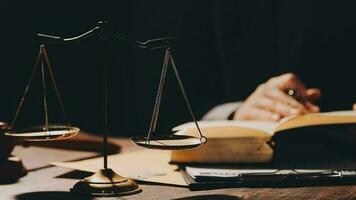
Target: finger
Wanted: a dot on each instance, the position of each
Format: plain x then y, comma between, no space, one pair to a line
279,95
313,94
277,107
354,107
312,107
261,114
289,81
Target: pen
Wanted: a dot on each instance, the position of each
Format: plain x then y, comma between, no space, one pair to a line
296,95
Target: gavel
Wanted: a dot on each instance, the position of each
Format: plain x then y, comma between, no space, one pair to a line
6,143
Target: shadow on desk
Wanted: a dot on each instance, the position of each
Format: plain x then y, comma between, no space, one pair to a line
53,195
211,196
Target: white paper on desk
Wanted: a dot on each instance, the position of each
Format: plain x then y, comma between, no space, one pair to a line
235,172
224,172
144,165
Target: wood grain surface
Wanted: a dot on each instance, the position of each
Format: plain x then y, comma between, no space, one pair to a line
49,182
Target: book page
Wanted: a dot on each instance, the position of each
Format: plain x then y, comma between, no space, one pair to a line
313,119
228,129
263,129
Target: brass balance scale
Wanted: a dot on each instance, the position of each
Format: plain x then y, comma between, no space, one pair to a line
105,182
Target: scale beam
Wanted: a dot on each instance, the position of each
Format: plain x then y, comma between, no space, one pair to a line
104,31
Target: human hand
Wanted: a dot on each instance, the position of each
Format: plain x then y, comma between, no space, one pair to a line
354,107
270,102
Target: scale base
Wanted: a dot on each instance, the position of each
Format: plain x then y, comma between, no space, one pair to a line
106,183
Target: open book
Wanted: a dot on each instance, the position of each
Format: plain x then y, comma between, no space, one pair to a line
253,141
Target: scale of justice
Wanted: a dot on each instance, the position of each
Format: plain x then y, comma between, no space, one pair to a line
105,182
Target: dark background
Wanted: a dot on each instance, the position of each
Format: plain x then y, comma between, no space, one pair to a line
223,50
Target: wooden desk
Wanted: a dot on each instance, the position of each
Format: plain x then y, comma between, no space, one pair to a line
50,182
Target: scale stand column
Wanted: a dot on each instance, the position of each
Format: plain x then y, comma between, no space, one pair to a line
106,182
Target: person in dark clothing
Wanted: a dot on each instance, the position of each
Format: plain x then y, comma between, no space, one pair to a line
240,45
224,50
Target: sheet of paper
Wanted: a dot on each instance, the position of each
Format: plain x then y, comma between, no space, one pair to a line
44,156
224,172
233,172
144,165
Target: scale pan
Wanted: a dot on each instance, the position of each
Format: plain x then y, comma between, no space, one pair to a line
169,142
39,133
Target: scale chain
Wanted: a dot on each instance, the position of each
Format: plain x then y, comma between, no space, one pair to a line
184,94
44,90
157,105
41,60
169,58
166,62
59,98
18,109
